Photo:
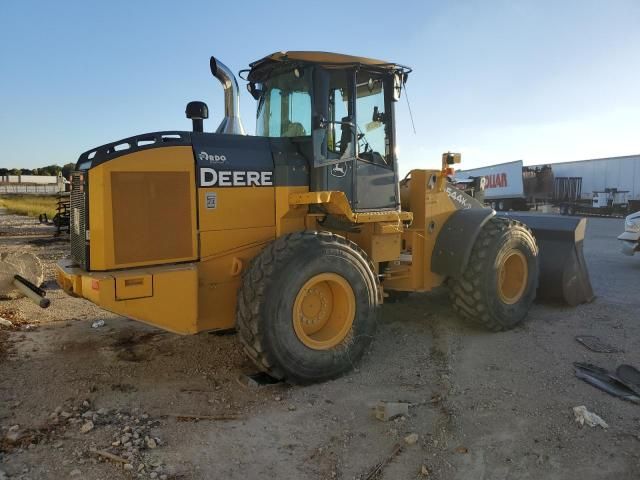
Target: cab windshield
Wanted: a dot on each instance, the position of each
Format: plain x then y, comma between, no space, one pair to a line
285,106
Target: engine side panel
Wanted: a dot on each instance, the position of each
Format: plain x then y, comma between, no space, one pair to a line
142,209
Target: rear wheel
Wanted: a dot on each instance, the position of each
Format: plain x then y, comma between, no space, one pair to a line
307,307
500,281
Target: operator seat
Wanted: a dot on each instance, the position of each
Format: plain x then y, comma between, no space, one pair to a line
294,129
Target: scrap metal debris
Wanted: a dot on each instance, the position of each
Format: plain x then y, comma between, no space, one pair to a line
377,469
194,418
596,345
605,381
630,376
582,416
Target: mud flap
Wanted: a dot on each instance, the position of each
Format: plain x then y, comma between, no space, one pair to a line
563,271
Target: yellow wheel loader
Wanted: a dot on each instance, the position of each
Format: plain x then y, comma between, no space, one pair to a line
296,235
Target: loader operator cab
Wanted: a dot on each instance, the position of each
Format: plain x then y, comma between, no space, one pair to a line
340,110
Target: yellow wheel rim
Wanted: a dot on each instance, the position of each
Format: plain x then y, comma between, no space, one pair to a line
513,274
323,311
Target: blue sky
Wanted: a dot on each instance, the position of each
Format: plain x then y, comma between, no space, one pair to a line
537,80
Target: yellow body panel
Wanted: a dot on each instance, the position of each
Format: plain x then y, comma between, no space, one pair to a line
219,281
252,217
289,218
218,242
162,309
133,286
338,204
237,208
132,204
431,207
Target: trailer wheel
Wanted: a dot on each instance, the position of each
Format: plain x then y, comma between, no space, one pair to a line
307,307
500,281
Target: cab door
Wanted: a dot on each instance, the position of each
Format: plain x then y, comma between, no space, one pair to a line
334,138
376,175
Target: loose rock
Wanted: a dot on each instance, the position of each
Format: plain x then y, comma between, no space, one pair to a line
411,438
5,323
386,411
582,416
87,427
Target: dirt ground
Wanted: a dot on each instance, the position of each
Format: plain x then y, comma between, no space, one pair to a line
484,405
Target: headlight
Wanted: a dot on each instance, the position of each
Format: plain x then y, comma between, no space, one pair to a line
632,224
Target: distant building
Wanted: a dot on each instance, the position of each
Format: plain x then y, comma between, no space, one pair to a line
32,183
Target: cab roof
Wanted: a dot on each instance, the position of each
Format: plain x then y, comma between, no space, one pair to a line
260,69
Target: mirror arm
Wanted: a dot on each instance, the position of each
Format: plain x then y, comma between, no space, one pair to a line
324,123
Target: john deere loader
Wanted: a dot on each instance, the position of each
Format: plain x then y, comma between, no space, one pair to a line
296,235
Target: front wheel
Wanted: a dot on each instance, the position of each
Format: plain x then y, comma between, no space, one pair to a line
307,307
500,280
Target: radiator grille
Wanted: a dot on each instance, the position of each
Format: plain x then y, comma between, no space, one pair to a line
78,220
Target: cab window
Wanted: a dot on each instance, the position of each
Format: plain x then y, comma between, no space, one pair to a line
373,138
285,106
340,139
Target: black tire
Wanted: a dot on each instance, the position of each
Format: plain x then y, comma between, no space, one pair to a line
475,295
267,295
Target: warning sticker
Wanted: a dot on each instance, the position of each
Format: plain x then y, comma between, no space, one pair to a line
212,199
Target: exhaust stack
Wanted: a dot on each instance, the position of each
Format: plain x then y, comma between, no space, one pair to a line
231,123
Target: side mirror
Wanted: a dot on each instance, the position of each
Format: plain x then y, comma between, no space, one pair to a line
397,86
378,116
255,89
319,122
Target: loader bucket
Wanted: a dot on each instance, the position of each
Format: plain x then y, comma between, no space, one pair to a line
563,271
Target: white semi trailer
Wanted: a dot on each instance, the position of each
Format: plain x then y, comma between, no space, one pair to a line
511,185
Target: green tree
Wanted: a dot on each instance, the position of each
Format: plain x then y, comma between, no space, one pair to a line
67,169
50,170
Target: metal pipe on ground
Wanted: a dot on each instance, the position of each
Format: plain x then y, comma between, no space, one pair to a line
31,291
